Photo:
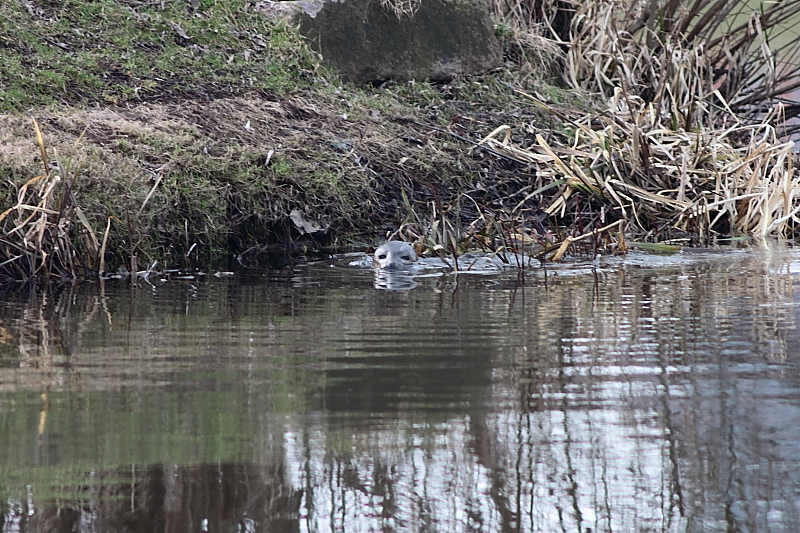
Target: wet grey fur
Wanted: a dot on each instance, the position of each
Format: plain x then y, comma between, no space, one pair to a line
394,255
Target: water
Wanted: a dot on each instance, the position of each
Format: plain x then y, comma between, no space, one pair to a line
655,393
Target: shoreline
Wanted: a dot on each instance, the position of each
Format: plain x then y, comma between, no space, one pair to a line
157,149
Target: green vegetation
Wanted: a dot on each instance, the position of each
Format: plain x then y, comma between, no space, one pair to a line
112,53
200,131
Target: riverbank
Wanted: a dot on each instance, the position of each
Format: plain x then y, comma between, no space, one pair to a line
236,141
172,134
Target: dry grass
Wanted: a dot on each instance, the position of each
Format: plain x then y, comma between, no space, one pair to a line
401,8
741,180
535,57
683,57
692,143
39,239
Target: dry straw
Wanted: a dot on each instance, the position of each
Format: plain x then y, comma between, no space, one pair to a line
402,8
694,137
652,174
679,55
39,237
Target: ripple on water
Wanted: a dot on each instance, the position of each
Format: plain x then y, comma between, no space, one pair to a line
649,393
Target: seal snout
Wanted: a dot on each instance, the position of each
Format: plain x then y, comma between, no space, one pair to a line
394,255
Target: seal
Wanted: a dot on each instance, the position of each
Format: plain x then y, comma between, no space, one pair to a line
394,255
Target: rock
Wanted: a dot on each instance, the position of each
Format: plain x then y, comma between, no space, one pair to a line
370,41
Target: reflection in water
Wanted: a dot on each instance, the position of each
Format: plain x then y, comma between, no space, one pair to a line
219,497
394,280
651,394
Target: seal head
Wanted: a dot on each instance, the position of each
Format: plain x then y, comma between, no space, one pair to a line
394,255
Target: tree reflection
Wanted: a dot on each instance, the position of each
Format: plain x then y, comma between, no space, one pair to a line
653,400
169,499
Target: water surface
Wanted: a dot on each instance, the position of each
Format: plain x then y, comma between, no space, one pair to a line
654,393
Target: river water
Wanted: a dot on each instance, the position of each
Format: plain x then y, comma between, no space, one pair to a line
651,393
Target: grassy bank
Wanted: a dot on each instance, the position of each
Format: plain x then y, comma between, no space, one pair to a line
116,53
199,132
178,132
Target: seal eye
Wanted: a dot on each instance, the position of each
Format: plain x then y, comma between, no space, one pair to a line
405,257
382,256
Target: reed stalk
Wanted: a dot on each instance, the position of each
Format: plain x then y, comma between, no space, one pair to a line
46,234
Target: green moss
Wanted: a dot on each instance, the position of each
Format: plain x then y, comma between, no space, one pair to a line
111,52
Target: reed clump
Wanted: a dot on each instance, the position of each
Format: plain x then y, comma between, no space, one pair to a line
692,144
696,63
740,180
46,233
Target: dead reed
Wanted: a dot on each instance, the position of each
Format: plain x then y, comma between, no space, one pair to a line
741,180
676,55
46,235
624,171
695,62
692,144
